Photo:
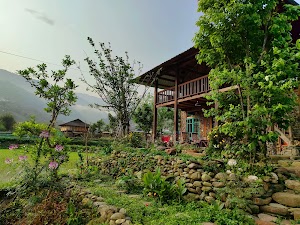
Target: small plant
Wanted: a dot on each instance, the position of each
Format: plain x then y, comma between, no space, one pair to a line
130,183
158,187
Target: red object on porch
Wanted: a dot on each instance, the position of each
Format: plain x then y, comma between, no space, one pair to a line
166,138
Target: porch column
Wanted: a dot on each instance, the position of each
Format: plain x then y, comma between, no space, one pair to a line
154,129
175,109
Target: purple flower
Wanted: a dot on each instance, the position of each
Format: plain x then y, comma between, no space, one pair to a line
23,157
8,161
53,165
59,148
13,146
44,134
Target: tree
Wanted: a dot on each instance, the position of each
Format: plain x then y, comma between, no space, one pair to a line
58,92
143,116
248,45
114,84
8,121
98,126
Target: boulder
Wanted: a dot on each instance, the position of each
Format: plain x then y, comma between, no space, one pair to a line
293,184
205,177
287,199
218,184
171,151
196,176
275,208
221,176
194,166
117,216
261,201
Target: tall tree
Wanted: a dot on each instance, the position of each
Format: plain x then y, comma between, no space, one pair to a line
98,126
8,121
113,78
143,116
248,44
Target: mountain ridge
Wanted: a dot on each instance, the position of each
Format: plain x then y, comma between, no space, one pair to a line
17,97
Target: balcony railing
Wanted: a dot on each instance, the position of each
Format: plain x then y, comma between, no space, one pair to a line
187,89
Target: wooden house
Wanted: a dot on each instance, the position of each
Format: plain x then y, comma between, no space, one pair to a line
182,84
74,128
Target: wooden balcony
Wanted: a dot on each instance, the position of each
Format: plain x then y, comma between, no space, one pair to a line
186,90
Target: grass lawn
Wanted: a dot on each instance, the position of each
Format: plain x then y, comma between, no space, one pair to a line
9,171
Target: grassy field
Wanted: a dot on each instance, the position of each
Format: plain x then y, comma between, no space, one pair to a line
8,172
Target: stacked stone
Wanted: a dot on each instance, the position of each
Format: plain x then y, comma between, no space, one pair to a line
108,213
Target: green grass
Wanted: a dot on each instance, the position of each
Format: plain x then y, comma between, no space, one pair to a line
8,172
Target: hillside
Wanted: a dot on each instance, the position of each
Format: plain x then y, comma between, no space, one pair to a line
17,97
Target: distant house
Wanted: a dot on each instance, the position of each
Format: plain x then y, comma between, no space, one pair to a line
74,128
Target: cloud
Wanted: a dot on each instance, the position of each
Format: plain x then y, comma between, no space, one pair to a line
41,16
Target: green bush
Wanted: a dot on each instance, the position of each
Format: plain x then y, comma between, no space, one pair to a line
158,187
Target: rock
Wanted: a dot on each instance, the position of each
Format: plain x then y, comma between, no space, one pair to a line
205,177
266,217
112,222
117,216
275,208
120,221
206,189
123,211
231,162
209,199
274,177
254,209
218,184
232,177
97,204
261,222
196,176
251,178
193,190
296,214
100,199
127,222
293,184
194,166
86,201
221,176
191,197
197,184
207,184
296,164
287,199
261,201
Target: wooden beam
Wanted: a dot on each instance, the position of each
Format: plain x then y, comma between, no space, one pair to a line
154,130
175,109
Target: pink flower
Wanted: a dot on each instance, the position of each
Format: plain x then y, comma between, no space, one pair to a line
23,157
44,134
53,165
13,146
8,161
59,148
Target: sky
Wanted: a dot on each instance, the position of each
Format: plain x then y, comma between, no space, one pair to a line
152,31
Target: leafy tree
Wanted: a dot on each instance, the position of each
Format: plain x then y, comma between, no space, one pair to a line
58,92
248,44
143,116
98,126
114,84
8,121
165,118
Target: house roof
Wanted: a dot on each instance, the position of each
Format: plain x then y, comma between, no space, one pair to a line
75,123
186,67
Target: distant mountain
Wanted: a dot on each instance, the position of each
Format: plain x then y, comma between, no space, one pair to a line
17,97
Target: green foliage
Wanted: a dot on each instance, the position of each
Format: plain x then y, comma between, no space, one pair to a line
143,116
249,45
113,83
135,140
130,183
7,122
158,187
98,126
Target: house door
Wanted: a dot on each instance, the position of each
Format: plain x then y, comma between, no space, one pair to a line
206,127
192,127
